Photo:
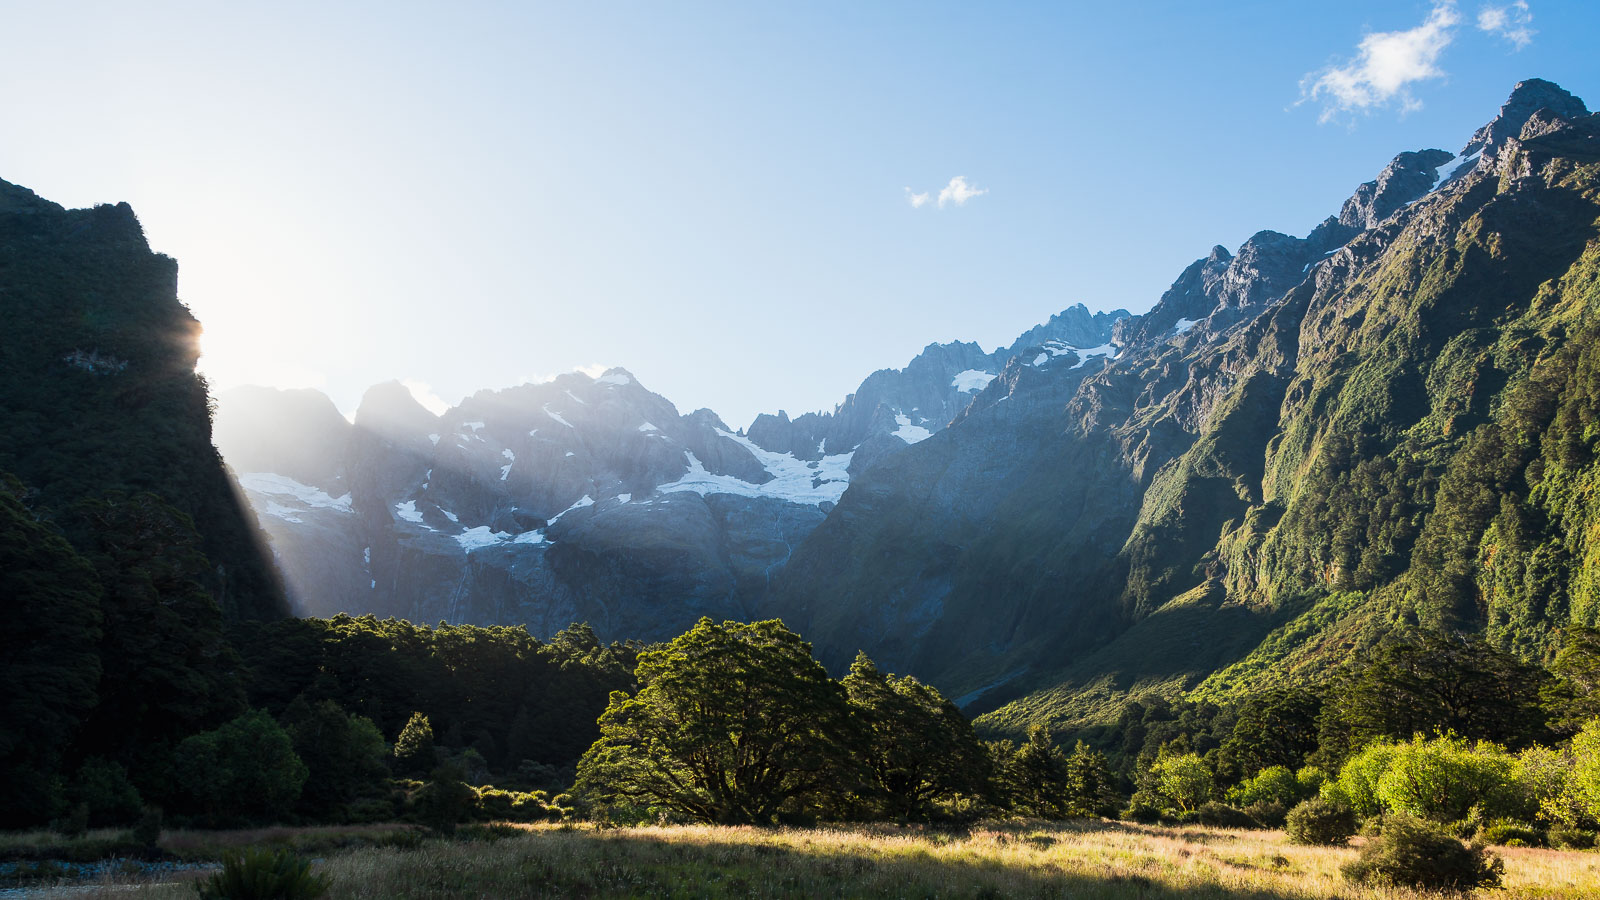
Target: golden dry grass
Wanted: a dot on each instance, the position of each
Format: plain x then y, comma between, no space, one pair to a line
1079,860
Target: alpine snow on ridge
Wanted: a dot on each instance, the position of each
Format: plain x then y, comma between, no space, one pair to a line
580,499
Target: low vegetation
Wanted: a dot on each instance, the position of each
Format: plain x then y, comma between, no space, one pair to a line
1105,860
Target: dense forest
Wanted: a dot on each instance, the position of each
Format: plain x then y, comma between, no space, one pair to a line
147,703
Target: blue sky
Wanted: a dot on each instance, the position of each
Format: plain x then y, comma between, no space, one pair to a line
719,196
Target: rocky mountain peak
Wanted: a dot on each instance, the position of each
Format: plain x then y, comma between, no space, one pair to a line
390,411
1527,98
1406,178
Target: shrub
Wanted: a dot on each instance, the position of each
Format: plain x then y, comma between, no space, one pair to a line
147,830
1357,784
445,800
1270,814
1141,809
370,809
1275,784
1221,815
244,770
1319,821
1443,778
74,824
1571,838
1544,777
1585,777
1311,780
110,795
1413,853
257,874
1185,779
1508,833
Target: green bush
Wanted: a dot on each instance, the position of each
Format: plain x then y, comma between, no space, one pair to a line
110,795
258,874
245,770
1277,784
1221,815
74,824
1444,778
1186,780
147,830
1413,853
1142,810
370,809
1508,833
1319,821
445,800
1357,784
1571,838
1268,814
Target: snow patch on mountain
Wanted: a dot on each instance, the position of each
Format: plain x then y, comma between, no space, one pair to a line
408,510
583,501
793,480
272,484
908,432
971,380
1451,169
1109,351
480,537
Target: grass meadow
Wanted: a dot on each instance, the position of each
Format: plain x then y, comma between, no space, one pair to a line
1079,860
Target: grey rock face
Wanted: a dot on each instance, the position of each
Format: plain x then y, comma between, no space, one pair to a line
582,499
1527,98
1407,177
894,408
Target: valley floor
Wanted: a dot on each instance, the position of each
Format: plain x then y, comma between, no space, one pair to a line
1078,860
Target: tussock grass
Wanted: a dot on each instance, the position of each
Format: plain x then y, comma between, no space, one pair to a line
1096,861
315,840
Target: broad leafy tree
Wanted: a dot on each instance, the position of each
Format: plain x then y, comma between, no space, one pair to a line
1428,681
917,746
1277,727
732,723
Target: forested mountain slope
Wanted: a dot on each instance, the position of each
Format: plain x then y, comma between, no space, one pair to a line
1300,446
98,391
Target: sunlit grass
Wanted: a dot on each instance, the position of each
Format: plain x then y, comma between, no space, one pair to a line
1079,860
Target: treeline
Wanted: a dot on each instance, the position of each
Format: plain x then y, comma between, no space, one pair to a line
1502,746
125,690
737,723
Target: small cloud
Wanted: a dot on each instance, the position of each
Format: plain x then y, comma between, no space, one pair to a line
423,394
918,200
959,192
1510,22
1387,63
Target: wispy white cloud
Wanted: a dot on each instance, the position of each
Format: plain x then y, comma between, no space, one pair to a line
1386,64
1510,22
958,191
423,394
917,201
